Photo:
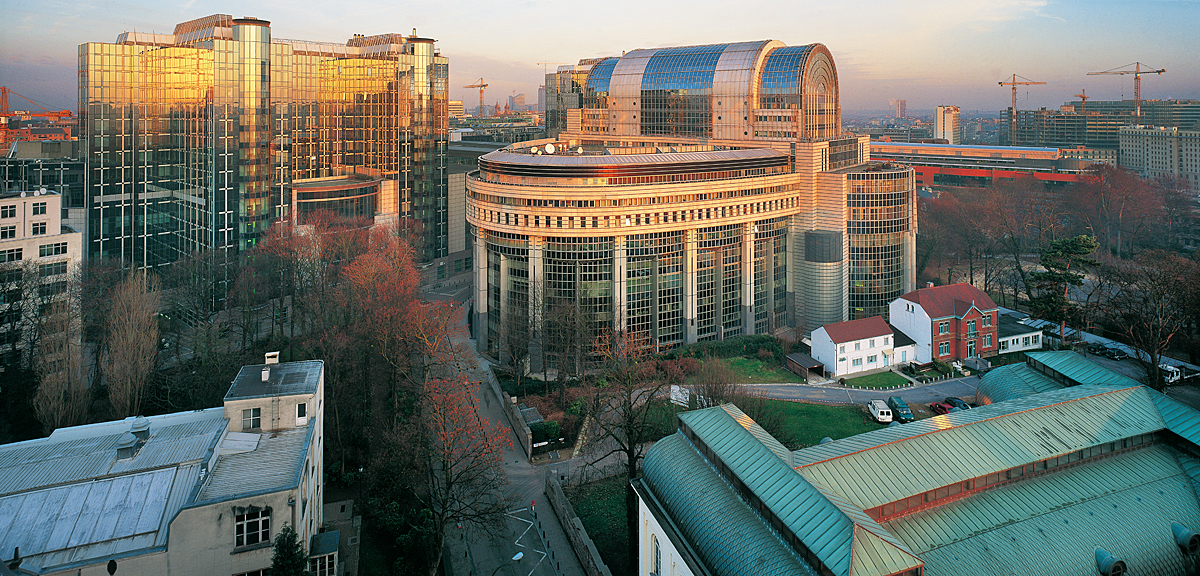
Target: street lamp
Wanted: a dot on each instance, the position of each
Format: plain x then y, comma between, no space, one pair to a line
516,558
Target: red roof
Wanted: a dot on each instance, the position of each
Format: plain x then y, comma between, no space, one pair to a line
857,329
953,300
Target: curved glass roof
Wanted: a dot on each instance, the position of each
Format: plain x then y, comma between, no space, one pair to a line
601,75
781,73
688,68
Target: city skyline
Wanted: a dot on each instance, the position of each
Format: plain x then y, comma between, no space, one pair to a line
941,53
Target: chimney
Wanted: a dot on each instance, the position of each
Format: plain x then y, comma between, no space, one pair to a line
126,446
271,358
140,428
266,373
929,284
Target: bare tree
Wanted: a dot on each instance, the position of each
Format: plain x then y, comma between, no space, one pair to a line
132,342
63,396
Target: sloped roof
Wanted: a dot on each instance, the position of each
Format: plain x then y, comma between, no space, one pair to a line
1077,368
1007,327
1018,380
1012,381
276,463
1051,524
951,300
875,468
842,332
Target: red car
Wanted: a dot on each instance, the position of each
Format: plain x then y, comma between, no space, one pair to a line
940,407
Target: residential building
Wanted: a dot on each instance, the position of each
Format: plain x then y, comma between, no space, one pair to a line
1016,336
199,492
948,322
694,193
1054,481
1158,151
39,260
946,124
53,165
206,160
859,345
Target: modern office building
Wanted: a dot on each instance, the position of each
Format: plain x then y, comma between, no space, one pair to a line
38,257
1098,127
201,492
195,139
1065,469
902,108
1156,151
972,165
946,126
694,194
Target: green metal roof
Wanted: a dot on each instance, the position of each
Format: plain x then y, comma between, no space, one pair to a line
1052,524
879,467
1012,381
1178,418
729,537
1078,368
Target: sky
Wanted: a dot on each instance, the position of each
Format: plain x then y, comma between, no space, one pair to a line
928,52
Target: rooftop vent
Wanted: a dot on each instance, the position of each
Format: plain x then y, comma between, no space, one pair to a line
126,446
272,358
1107,564
266,373
1188,541
826,440
140,428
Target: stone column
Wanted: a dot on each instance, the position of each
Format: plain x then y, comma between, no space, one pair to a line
748,230
481,285
620,296
537,295
689,286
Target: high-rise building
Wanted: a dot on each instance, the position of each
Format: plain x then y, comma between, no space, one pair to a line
902,108
1098,127
456,109
195,139
692,194
946,126
541,98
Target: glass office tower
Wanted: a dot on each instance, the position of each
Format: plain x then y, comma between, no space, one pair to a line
194,139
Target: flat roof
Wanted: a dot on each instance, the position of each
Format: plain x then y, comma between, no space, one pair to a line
964,146
286,379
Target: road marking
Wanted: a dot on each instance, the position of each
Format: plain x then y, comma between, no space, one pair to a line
518,540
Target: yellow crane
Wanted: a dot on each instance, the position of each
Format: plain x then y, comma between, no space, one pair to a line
1137,82
1084,97
1014,83
480,85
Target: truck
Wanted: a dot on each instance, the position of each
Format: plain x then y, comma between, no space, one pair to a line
1170,374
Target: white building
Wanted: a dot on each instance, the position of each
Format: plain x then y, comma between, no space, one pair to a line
38,254
858,345
946,126
1155,151
201,492
1015,336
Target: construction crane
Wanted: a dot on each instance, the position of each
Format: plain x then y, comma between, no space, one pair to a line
1137,82
480,85
545,67
6,112
1084,97
1013,117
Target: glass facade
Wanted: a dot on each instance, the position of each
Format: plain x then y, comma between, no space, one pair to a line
193,139
881,227
677,89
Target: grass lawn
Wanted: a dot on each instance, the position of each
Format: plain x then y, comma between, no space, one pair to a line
880,380
601,507
806,424
755,371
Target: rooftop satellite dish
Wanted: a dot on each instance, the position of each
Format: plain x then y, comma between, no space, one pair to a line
533,150
22,194
579,150
549,148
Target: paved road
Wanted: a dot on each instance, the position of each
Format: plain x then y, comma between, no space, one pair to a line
921,394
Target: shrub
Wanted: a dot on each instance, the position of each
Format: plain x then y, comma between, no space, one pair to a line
648,369
672,369
552,430
764,354
689,365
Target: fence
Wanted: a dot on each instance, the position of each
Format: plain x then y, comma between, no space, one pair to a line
584,548
512,413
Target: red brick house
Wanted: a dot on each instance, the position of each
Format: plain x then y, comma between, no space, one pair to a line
948,322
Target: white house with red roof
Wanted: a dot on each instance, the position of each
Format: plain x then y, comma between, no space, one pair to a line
947,322
858,346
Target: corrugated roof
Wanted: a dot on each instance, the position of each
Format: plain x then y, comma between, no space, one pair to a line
1051,524
569,159
876,468
849,331
730,538
1079,369
951,300
285,379
273,465
1012,381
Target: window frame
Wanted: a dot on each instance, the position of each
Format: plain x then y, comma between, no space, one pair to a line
253,417
261,522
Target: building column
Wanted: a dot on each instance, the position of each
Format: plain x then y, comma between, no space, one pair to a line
748,230
481,284
537,295
689,286
620,296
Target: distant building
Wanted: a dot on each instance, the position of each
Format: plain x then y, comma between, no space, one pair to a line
947,323
456,109
946,124
973,165
1065,469
39,258
1099,127
859,345
1091,155
902,108
1156,151
516,103
202,492
541,98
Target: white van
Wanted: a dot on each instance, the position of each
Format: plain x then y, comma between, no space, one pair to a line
880,411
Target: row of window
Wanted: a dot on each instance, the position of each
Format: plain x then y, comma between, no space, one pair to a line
1035,340
10,210
510,219
870,344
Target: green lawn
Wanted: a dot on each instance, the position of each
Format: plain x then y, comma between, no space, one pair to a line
806,424
755,371
601,507
880,380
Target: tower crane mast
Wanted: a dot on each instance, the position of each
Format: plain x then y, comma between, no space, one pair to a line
1137,82
480,85
1012,120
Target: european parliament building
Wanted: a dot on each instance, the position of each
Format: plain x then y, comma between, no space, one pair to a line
195,140
691,194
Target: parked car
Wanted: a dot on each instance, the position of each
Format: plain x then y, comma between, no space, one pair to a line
940,407
900,410
955,402
880,411
1116,354
1097,348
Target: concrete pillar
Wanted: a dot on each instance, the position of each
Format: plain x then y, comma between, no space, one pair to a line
689,286
537,295
481,300
620,294
748,230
